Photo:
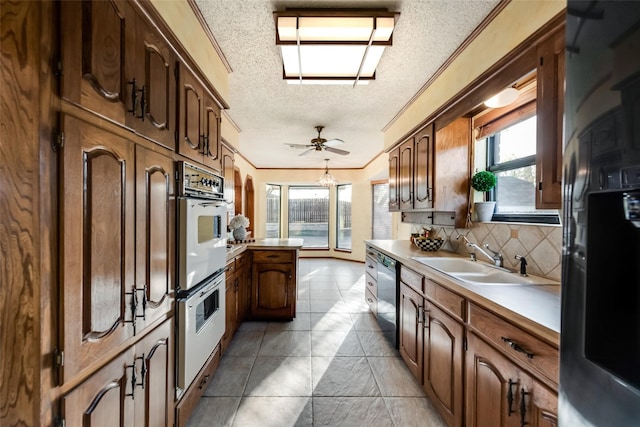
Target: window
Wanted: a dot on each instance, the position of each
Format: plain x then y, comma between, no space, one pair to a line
381,217
343,217
273,210
309,216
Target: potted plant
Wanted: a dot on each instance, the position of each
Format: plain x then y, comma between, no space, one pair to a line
239,224
484,181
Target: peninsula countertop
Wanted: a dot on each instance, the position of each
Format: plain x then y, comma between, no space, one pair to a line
535,308
266,243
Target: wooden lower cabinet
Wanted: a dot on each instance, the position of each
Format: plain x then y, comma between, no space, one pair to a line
236,297
135,388
499,393
273,284
190,399
411,329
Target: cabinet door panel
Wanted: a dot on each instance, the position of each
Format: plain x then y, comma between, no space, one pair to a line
411,330
443,364
423,174
394,171
189,142
103,400
93,55
211,132
405,181
155,229
272,291
97,220
156,408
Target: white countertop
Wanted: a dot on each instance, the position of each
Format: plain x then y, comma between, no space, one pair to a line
267,243
535,308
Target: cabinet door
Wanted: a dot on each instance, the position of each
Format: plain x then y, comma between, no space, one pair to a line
231,310
272,291
537,405
211,123
394,178
443,348
155,391
424,172
155,84
405,176
411,329
190,127
94,49
242,263
103,400
155,235
97,246
492,384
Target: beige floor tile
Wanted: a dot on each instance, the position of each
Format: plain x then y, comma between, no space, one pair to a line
302,306
330,322
214,412
375,344
351,412
343,376
245,343
324,293
231,376
280,376
328,305
286,343
394,378
254,326
299,323
413,412
274,412
365,322
335,343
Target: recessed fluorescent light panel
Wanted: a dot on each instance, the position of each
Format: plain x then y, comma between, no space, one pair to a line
332,46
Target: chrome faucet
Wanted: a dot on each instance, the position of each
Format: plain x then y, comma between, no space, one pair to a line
494,256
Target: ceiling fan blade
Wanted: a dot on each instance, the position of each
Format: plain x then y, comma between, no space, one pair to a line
299,146
304,153
333,142
336,150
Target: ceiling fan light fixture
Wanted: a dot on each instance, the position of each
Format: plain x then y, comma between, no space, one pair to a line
326,179
503,98
332,46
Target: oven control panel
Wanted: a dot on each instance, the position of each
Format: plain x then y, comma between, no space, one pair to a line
195,181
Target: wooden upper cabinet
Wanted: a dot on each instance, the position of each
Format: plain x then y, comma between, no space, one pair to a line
155,231
550,111
405,175
423,178
211,130
97,246
151,85
394,180
95,45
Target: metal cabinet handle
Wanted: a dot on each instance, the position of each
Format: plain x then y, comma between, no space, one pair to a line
514,345
523,408
425,316
203,382
420,309
510,397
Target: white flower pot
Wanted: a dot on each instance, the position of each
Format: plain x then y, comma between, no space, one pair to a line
240,233
484,210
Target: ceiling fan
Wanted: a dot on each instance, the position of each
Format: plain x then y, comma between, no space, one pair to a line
319,144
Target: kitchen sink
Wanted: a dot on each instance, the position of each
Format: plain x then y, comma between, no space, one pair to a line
480,273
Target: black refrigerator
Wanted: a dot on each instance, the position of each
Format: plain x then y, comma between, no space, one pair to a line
600,339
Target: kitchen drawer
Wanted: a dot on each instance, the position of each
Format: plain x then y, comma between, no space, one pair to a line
372,301
231,267
371,267
449,301
241,261
273,256
529,350
411,278
191,397
372,284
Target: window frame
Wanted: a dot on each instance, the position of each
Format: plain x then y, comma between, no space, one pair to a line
279,211
289,198
337,224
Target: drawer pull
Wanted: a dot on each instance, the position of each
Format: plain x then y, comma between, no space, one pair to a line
370,266
203,382
370,300
510,397
517,347
272,256
369,283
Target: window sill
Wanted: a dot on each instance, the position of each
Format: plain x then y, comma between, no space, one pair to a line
342,250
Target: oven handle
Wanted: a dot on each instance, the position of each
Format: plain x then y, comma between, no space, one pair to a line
195,299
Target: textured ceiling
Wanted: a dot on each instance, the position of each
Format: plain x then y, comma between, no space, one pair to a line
270,113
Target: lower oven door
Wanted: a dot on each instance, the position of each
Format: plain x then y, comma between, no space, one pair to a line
201,324
202,239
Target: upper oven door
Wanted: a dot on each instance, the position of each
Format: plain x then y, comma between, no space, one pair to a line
202,237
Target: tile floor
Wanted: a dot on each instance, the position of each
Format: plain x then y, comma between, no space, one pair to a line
330,366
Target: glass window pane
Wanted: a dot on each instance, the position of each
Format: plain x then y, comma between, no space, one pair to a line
516,141
343,217
273,210
516,190
381,220
309,216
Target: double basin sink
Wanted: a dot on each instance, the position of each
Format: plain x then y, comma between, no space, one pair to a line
479,273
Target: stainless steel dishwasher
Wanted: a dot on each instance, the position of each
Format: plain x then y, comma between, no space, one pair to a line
388,298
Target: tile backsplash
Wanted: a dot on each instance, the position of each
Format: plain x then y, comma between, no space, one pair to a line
540,244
